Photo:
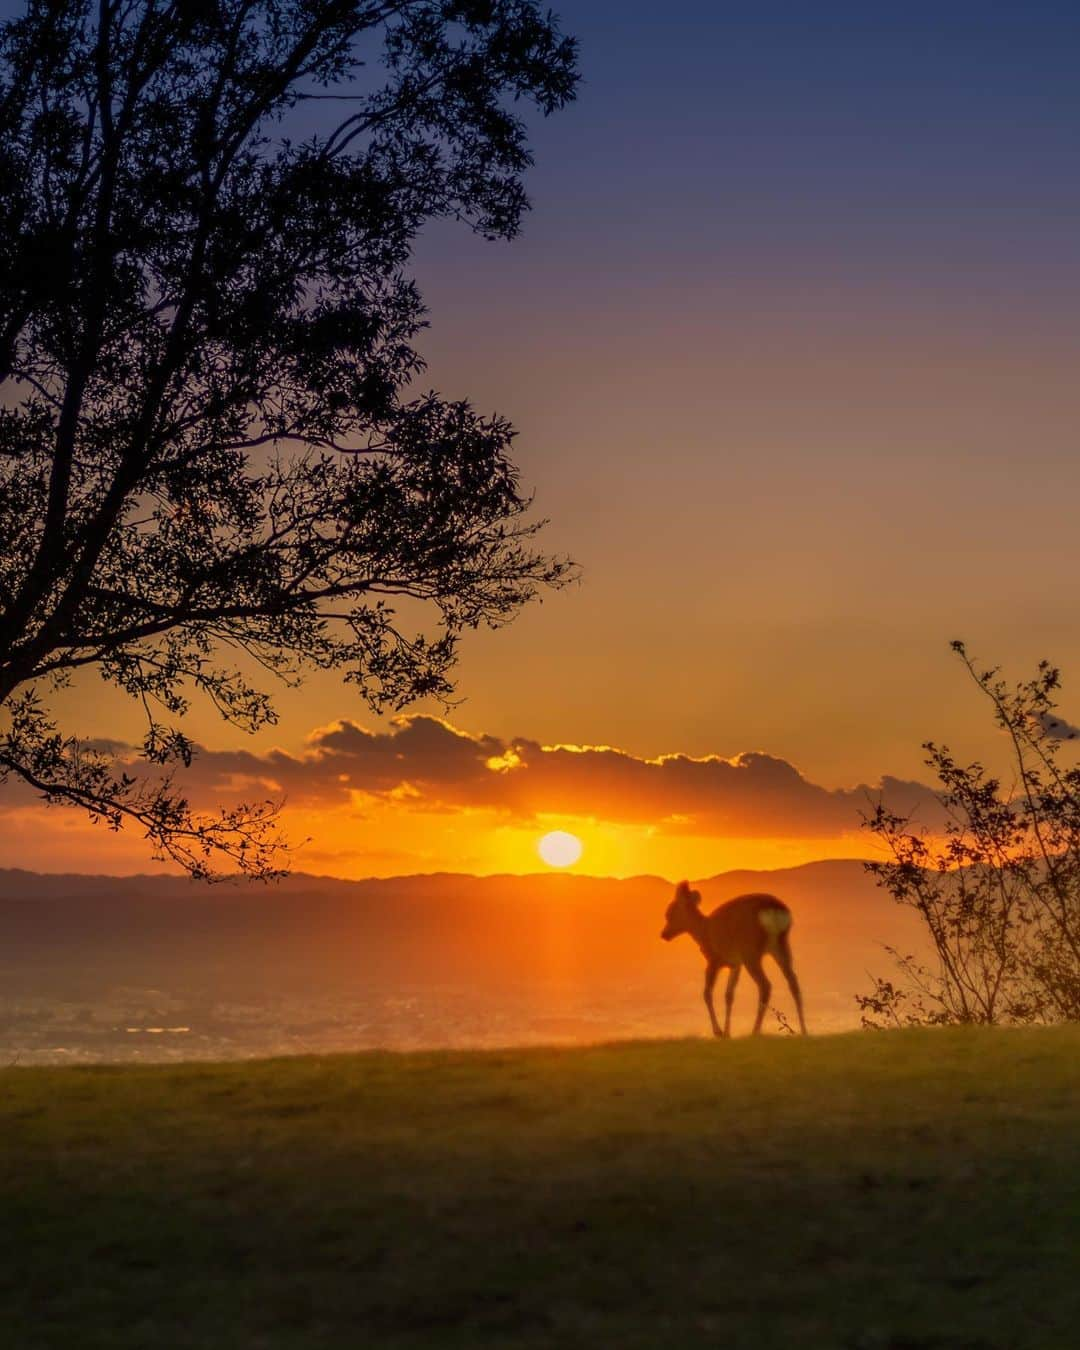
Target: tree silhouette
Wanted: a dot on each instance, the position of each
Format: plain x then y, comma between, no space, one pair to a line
209,449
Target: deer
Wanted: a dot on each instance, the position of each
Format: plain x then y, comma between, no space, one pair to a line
736,934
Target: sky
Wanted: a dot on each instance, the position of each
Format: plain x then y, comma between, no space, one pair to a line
791,342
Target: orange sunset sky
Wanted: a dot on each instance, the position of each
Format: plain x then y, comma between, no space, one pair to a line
794,372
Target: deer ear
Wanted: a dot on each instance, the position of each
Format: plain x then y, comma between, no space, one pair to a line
683,892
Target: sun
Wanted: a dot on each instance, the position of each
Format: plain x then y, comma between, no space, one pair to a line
560,849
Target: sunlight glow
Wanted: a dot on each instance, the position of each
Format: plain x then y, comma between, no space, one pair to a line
560,849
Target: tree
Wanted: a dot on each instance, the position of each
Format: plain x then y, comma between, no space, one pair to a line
209,448
998,890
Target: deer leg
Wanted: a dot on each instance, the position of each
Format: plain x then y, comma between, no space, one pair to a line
711,971
783,960
729,997
764,990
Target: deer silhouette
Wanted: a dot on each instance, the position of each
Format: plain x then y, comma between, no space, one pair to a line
736,934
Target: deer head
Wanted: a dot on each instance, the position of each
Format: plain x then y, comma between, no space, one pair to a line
681,913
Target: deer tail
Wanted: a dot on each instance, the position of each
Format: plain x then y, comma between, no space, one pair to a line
775,920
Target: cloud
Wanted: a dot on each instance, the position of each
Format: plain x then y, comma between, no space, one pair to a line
1056,728
424,764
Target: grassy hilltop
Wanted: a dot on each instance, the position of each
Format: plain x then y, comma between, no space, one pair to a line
909,1191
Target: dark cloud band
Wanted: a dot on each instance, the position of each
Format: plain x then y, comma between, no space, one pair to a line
425,764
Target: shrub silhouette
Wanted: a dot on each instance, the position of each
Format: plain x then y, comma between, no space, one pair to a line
999,890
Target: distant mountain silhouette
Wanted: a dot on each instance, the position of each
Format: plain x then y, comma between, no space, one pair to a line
842,875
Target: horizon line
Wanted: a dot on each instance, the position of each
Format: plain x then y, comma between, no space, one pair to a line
419,876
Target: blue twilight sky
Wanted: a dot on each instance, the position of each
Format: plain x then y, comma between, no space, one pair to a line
792,341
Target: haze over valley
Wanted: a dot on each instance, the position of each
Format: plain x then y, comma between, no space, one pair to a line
155,967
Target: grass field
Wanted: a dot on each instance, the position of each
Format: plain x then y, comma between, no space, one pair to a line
874,1192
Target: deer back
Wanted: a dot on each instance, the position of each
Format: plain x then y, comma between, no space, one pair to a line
735,932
